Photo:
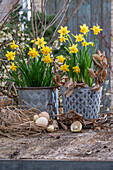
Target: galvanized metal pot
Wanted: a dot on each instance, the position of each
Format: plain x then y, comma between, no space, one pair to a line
37,96
83,101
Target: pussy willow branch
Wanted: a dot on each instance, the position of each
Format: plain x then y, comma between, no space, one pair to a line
3,63
4,43
11,83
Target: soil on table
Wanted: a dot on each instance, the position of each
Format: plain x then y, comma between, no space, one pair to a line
87,145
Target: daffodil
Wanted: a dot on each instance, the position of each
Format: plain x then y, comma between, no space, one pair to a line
46,50
47,59
60,58
10,55
76,69
63,30
32,41
40,42
33,53
92,44
84,29
73,48
64,68
13,67
84,43
96,29
79,38
62,38
13,45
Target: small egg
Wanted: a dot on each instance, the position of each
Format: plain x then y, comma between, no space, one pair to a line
76,126
35,117
44,114
50,128
42,121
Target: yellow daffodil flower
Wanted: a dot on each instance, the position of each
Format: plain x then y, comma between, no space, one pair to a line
47,59
92,44
62,38
79,38
33,53
13,45
64,68
84,43
32,41
40,42
96,29
60,58
13,67
46,50
84,29
73,49
63,30
10,55
76,69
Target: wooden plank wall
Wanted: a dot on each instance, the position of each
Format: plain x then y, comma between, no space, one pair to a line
91,12
112,52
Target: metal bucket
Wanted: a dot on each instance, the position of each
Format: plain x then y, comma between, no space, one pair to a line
39,96
83,101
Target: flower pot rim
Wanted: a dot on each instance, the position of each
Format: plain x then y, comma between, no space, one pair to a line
81,88
34,88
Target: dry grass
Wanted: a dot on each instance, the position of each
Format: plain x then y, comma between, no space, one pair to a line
15,121
18,122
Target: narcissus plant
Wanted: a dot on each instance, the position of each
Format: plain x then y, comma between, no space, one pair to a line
80,53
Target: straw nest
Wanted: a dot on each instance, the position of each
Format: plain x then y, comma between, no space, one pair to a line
18,122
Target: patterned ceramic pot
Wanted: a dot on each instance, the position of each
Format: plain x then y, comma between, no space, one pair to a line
37,96
83,101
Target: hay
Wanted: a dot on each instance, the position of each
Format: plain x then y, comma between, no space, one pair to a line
18,122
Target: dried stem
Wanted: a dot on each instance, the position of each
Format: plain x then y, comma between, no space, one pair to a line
7,15
36,34
42,17
74,11
55,19
66,20
32,18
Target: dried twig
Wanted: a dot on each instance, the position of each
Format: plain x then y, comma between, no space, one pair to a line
32,23
66,20
3,21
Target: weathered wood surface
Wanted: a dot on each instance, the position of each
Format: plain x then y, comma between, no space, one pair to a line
61,145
